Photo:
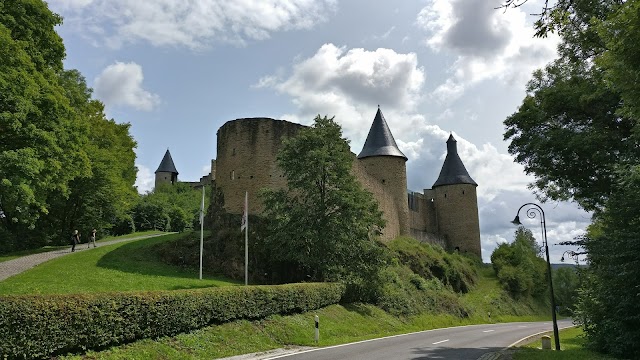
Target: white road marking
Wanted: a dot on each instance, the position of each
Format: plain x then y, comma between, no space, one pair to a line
440,342
488,331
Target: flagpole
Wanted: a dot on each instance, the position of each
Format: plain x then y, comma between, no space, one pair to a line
246,238
201,230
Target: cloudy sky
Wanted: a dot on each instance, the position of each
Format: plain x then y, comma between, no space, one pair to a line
177,70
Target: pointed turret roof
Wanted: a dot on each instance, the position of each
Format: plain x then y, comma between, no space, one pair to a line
453,170
380,141
166,165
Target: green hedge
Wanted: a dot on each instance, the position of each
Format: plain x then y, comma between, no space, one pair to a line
41,326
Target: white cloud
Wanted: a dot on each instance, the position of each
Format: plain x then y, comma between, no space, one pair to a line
120,84
193,24
205,170
350,84
487,43
145,180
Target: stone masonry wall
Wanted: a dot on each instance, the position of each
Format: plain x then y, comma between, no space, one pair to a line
246,160
385,177
457,213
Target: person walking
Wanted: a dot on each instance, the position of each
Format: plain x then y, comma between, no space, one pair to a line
75,240
92,239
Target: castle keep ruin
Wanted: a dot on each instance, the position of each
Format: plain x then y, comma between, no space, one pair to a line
446,214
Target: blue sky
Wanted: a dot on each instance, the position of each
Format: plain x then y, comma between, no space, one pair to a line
177,70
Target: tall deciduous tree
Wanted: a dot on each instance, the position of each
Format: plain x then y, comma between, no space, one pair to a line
40,138
324,224
63,165
107,191
519,267
578,133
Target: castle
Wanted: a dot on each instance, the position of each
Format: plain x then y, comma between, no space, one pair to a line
446,214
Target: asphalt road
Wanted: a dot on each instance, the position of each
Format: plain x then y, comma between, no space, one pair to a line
460,343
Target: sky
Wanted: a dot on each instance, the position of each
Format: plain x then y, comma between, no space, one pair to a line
177,70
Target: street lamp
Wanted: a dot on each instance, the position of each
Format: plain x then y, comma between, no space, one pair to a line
534,210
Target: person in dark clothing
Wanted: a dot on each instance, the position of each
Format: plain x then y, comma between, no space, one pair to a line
75,240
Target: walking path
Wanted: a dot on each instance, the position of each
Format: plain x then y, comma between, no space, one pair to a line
16,266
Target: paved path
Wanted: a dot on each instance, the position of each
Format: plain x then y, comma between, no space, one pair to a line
16,266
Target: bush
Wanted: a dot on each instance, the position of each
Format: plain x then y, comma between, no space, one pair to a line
123,225
405,293
43,326
431,261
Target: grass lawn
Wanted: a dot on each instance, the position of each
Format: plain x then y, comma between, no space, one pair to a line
17,254
126,266
571,346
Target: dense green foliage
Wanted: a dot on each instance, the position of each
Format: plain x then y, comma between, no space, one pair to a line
63,165
423,278
169,207
432,262
577,132
566,282
324,225
41,326
520,269
609,304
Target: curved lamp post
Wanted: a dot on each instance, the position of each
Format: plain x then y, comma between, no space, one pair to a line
532,212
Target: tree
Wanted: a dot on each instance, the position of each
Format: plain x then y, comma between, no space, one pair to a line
324,224
518,265
565,288
609,303
589,98
107,191
567,133
40,137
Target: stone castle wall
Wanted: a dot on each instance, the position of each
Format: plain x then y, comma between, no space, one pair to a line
385,177
246,161
457,212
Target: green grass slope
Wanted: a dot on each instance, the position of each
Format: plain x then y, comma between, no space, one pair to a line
126,266
405,292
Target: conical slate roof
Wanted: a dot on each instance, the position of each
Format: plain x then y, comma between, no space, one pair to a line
166,165
380,141
453,170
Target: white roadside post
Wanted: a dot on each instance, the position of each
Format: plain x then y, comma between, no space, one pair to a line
317,337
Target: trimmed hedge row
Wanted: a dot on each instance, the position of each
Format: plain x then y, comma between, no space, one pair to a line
36,326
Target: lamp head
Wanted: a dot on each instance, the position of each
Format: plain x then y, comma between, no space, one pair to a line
516,221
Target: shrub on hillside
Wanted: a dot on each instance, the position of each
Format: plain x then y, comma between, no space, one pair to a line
43,326
405,293
431,261
123,225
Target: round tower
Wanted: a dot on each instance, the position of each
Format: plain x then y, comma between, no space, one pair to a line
386,164
166,173
456,204
246,161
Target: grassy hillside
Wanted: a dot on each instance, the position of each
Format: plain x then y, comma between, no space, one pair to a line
412,302
339,324
424,288
126,266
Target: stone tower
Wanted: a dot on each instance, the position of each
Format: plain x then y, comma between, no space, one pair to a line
384,162
456,204
166,173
